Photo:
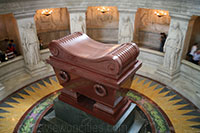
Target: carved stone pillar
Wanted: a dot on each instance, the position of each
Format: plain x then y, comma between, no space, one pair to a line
174,45
77,20
29,43
126,26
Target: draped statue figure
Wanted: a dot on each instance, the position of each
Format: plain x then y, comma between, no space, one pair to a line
30,45
78,24
172,47
126,31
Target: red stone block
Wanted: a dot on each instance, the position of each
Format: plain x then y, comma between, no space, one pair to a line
93,74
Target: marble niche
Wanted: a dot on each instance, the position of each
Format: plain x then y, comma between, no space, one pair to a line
102,27
53,26
8,30
195,37
148,27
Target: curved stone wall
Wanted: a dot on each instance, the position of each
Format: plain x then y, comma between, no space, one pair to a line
153,67
184,7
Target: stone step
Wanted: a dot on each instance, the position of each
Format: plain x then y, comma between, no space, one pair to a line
51,117
58,125
88,123
127,119
138,123
131,120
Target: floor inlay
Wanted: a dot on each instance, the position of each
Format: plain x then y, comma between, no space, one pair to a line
164,108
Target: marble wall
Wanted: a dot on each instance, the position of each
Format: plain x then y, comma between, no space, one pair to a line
53,26
102,26
3,29
11,68
148,27
47,37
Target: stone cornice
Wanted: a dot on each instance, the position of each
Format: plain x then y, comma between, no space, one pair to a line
180,16
190,7
77,9
126,10
20,15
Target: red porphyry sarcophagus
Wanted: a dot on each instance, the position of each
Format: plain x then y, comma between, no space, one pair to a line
93,74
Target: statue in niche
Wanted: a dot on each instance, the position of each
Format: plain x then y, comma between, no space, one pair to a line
172,47
126,31
30,45
78,24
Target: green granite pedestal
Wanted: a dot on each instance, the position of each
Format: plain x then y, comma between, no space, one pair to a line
83,122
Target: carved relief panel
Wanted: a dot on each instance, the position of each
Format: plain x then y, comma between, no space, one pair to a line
148,27
58,20
102,24
53,26
100,19
151,22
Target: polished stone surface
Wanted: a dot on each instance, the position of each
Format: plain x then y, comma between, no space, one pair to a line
163,107
87,123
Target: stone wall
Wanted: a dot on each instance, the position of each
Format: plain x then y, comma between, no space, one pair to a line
185,7
3,30
148,27
53,26
11,68
102,26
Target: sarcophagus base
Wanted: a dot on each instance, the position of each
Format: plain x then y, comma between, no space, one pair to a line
105,113
88,123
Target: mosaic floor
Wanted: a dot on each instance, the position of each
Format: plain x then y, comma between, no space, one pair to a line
165,109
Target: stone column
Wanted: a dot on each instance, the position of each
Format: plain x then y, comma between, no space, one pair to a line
29,43
77,20
126,26
174,45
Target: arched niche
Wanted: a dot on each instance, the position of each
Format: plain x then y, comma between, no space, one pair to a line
192,37
8,31
53,26
103,26
195,36
148,27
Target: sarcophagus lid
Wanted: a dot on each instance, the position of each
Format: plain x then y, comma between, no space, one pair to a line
110,60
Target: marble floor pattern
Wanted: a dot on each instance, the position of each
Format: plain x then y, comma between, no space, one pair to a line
167,110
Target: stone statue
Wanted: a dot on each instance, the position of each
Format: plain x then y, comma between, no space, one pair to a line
30,45
126,31
78,24
172,47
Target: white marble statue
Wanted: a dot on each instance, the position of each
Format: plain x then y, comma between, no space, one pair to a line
78,24
126,31
172,47
30,45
